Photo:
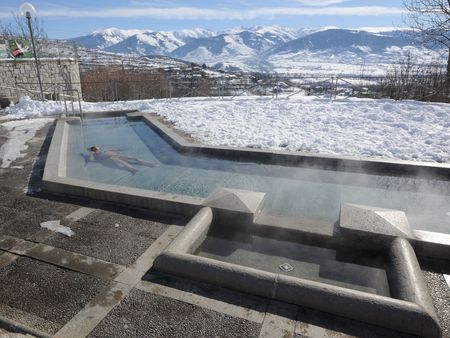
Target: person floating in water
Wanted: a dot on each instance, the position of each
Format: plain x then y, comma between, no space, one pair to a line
114,157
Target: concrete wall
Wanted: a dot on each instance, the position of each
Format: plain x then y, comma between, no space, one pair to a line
18,77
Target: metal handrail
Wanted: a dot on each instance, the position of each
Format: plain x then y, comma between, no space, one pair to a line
73,90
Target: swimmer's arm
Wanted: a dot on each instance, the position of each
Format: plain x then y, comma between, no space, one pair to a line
91,157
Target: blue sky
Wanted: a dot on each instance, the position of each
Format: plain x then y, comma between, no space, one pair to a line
70,18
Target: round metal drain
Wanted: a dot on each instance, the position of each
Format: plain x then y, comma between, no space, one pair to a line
286,267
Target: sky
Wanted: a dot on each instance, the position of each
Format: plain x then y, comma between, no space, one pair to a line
71,18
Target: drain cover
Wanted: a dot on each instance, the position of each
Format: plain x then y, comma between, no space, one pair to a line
286,267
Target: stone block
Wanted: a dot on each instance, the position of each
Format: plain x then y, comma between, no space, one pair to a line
374,224
235,199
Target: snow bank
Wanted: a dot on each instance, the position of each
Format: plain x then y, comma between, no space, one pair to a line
28,108
19,133
408,130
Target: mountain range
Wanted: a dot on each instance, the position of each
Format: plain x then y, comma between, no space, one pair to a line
271,48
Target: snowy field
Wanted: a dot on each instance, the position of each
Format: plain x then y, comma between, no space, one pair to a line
407,130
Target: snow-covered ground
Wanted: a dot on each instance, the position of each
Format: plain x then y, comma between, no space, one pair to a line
19,133
407,130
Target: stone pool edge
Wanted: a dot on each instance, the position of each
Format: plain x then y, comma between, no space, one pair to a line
413,311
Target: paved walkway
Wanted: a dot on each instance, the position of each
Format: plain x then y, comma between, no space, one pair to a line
99,282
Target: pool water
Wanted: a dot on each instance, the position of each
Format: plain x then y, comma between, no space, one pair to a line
311,193
360,271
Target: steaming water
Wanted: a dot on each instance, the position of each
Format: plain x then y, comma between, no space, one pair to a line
309,262
310,193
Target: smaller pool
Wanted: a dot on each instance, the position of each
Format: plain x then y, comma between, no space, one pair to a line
358,270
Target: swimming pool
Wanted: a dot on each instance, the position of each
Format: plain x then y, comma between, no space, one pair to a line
311,193
349,269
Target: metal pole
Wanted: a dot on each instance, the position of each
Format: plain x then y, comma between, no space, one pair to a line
35,56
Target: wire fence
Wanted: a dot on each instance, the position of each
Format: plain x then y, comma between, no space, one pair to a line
161,86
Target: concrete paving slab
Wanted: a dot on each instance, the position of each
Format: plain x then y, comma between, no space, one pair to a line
48,295
94,312
15,178
13,326
86,320
132,275
316,324
32,203
109,236
79,214
14,330
8,242
145,261
208,296
6,258
144,314
21,223
7,193
279,321
41,235
74,261
23,247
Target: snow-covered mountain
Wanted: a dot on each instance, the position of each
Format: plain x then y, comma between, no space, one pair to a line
268,48
136,41
147,43
104,38
161,43
343,40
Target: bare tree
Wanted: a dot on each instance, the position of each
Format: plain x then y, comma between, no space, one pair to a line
19,29
432,19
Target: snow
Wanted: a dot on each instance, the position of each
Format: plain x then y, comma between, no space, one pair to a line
19,133
407,130
56,226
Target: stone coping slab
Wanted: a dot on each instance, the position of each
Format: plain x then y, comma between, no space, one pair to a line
411,310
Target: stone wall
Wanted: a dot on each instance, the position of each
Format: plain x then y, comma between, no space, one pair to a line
18,77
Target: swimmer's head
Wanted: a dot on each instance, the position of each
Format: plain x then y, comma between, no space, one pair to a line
94,148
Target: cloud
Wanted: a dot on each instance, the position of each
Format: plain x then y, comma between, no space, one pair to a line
197,13
321,3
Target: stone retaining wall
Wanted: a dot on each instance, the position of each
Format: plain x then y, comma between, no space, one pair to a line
18,77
